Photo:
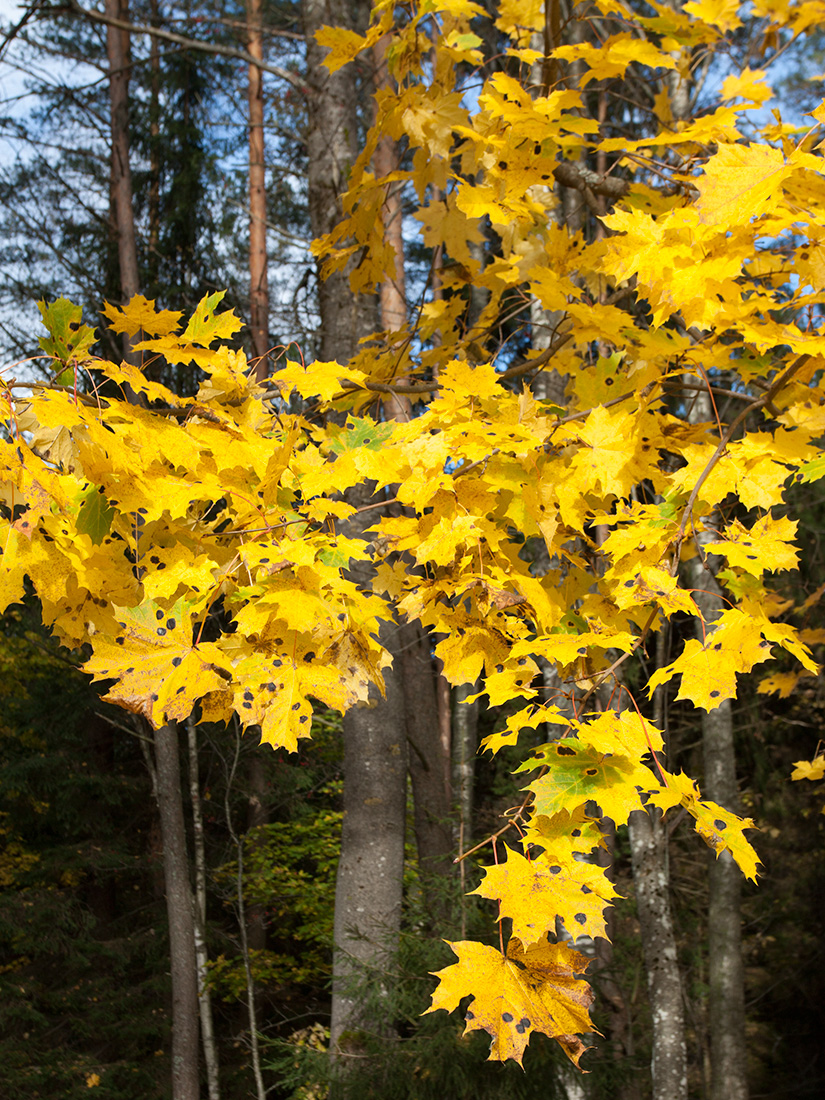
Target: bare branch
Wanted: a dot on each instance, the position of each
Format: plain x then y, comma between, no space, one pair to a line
182,40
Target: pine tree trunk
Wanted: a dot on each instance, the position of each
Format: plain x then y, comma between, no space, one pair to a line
258,275
117,50
185,1011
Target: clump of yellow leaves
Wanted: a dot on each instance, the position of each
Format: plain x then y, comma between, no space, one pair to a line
198,544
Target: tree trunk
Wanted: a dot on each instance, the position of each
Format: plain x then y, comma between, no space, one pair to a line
258,276
368,892
726,996
210,1049
648,846
332,147
117,51
465,747
368,889
429,772
726,1002
185,1084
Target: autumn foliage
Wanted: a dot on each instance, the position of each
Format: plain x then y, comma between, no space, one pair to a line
197,545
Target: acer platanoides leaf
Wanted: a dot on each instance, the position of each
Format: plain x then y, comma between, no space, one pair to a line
539,989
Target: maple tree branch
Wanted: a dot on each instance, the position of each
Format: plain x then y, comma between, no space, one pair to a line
74,8
493,837
539,361
576,176
761,402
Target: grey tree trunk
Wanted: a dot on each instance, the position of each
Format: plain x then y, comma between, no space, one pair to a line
368,892
368,888
332,137
648,847
726,996
185,1010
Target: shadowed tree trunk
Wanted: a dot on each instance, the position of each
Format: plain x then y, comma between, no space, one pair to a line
726,993
429,772
185,1010
210,1049
368,888
651,878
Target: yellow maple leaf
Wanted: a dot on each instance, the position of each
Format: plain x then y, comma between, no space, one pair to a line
782,683
721,13
345,45
749,84
533,892
740,181
539,989
719,828
564,833
764,547
809,769
613,57
625,732
443,223
531,717
141,315
159,671
318,379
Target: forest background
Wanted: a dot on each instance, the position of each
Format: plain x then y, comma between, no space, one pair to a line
205,159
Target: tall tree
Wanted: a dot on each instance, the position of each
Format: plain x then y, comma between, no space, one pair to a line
123,214
368,892
258,255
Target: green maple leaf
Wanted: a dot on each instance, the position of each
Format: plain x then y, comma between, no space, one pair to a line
577,774
68,338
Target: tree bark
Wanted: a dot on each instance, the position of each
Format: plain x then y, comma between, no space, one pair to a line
185,1084
726,997
368,892
429,771
465,747
648,847
368,889
258,274
210,1048
117,51
332,146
